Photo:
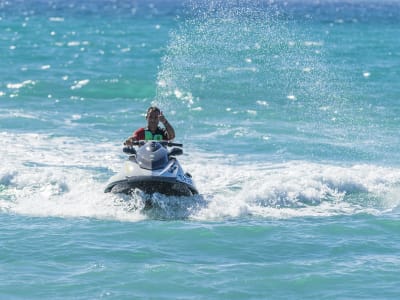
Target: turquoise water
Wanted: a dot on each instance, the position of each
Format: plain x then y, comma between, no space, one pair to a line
289,116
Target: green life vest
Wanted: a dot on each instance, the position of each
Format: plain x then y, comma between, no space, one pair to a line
148,136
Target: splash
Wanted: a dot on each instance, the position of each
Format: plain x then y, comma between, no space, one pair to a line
297,188
228,51
65,177
59,177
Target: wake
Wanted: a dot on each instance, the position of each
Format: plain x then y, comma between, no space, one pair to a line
57,178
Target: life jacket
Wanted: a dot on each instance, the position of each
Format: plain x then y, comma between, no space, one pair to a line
148,136
145,134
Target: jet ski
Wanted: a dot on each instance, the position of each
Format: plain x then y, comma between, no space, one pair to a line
153,168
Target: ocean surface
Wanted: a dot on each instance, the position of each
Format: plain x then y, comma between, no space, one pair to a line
289,112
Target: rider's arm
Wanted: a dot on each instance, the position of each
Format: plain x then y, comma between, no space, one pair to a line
136,136
168,127
170,130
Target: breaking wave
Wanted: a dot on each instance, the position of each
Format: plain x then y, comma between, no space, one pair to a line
47,176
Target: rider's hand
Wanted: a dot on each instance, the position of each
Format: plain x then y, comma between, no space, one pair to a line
162,118
129,141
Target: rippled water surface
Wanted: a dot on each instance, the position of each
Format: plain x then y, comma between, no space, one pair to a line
289,116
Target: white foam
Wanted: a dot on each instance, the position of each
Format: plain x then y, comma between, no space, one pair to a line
262,103
241,69
79,84
46,176
20,84
17,114
56,19
74,44
295,189
313,44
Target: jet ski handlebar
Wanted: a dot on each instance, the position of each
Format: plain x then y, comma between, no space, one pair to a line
164,143
174,151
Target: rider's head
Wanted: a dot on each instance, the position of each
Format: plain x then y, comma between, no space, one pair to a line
152,109
152,117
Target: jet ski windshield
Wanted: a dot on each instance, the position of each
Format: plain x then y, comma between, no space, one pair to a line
152,156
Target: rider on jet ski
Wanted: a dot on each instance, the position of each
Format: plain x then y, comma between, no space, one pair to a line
153,132
152,167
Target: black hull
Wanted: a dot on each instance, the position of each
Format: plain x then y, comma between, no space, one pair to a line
151,185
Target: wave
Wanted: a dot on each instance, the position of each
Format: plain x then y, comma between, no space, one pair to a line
48,176
300,188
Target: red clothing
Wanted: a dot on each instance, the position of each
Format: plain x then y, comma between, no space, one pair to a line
140,134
